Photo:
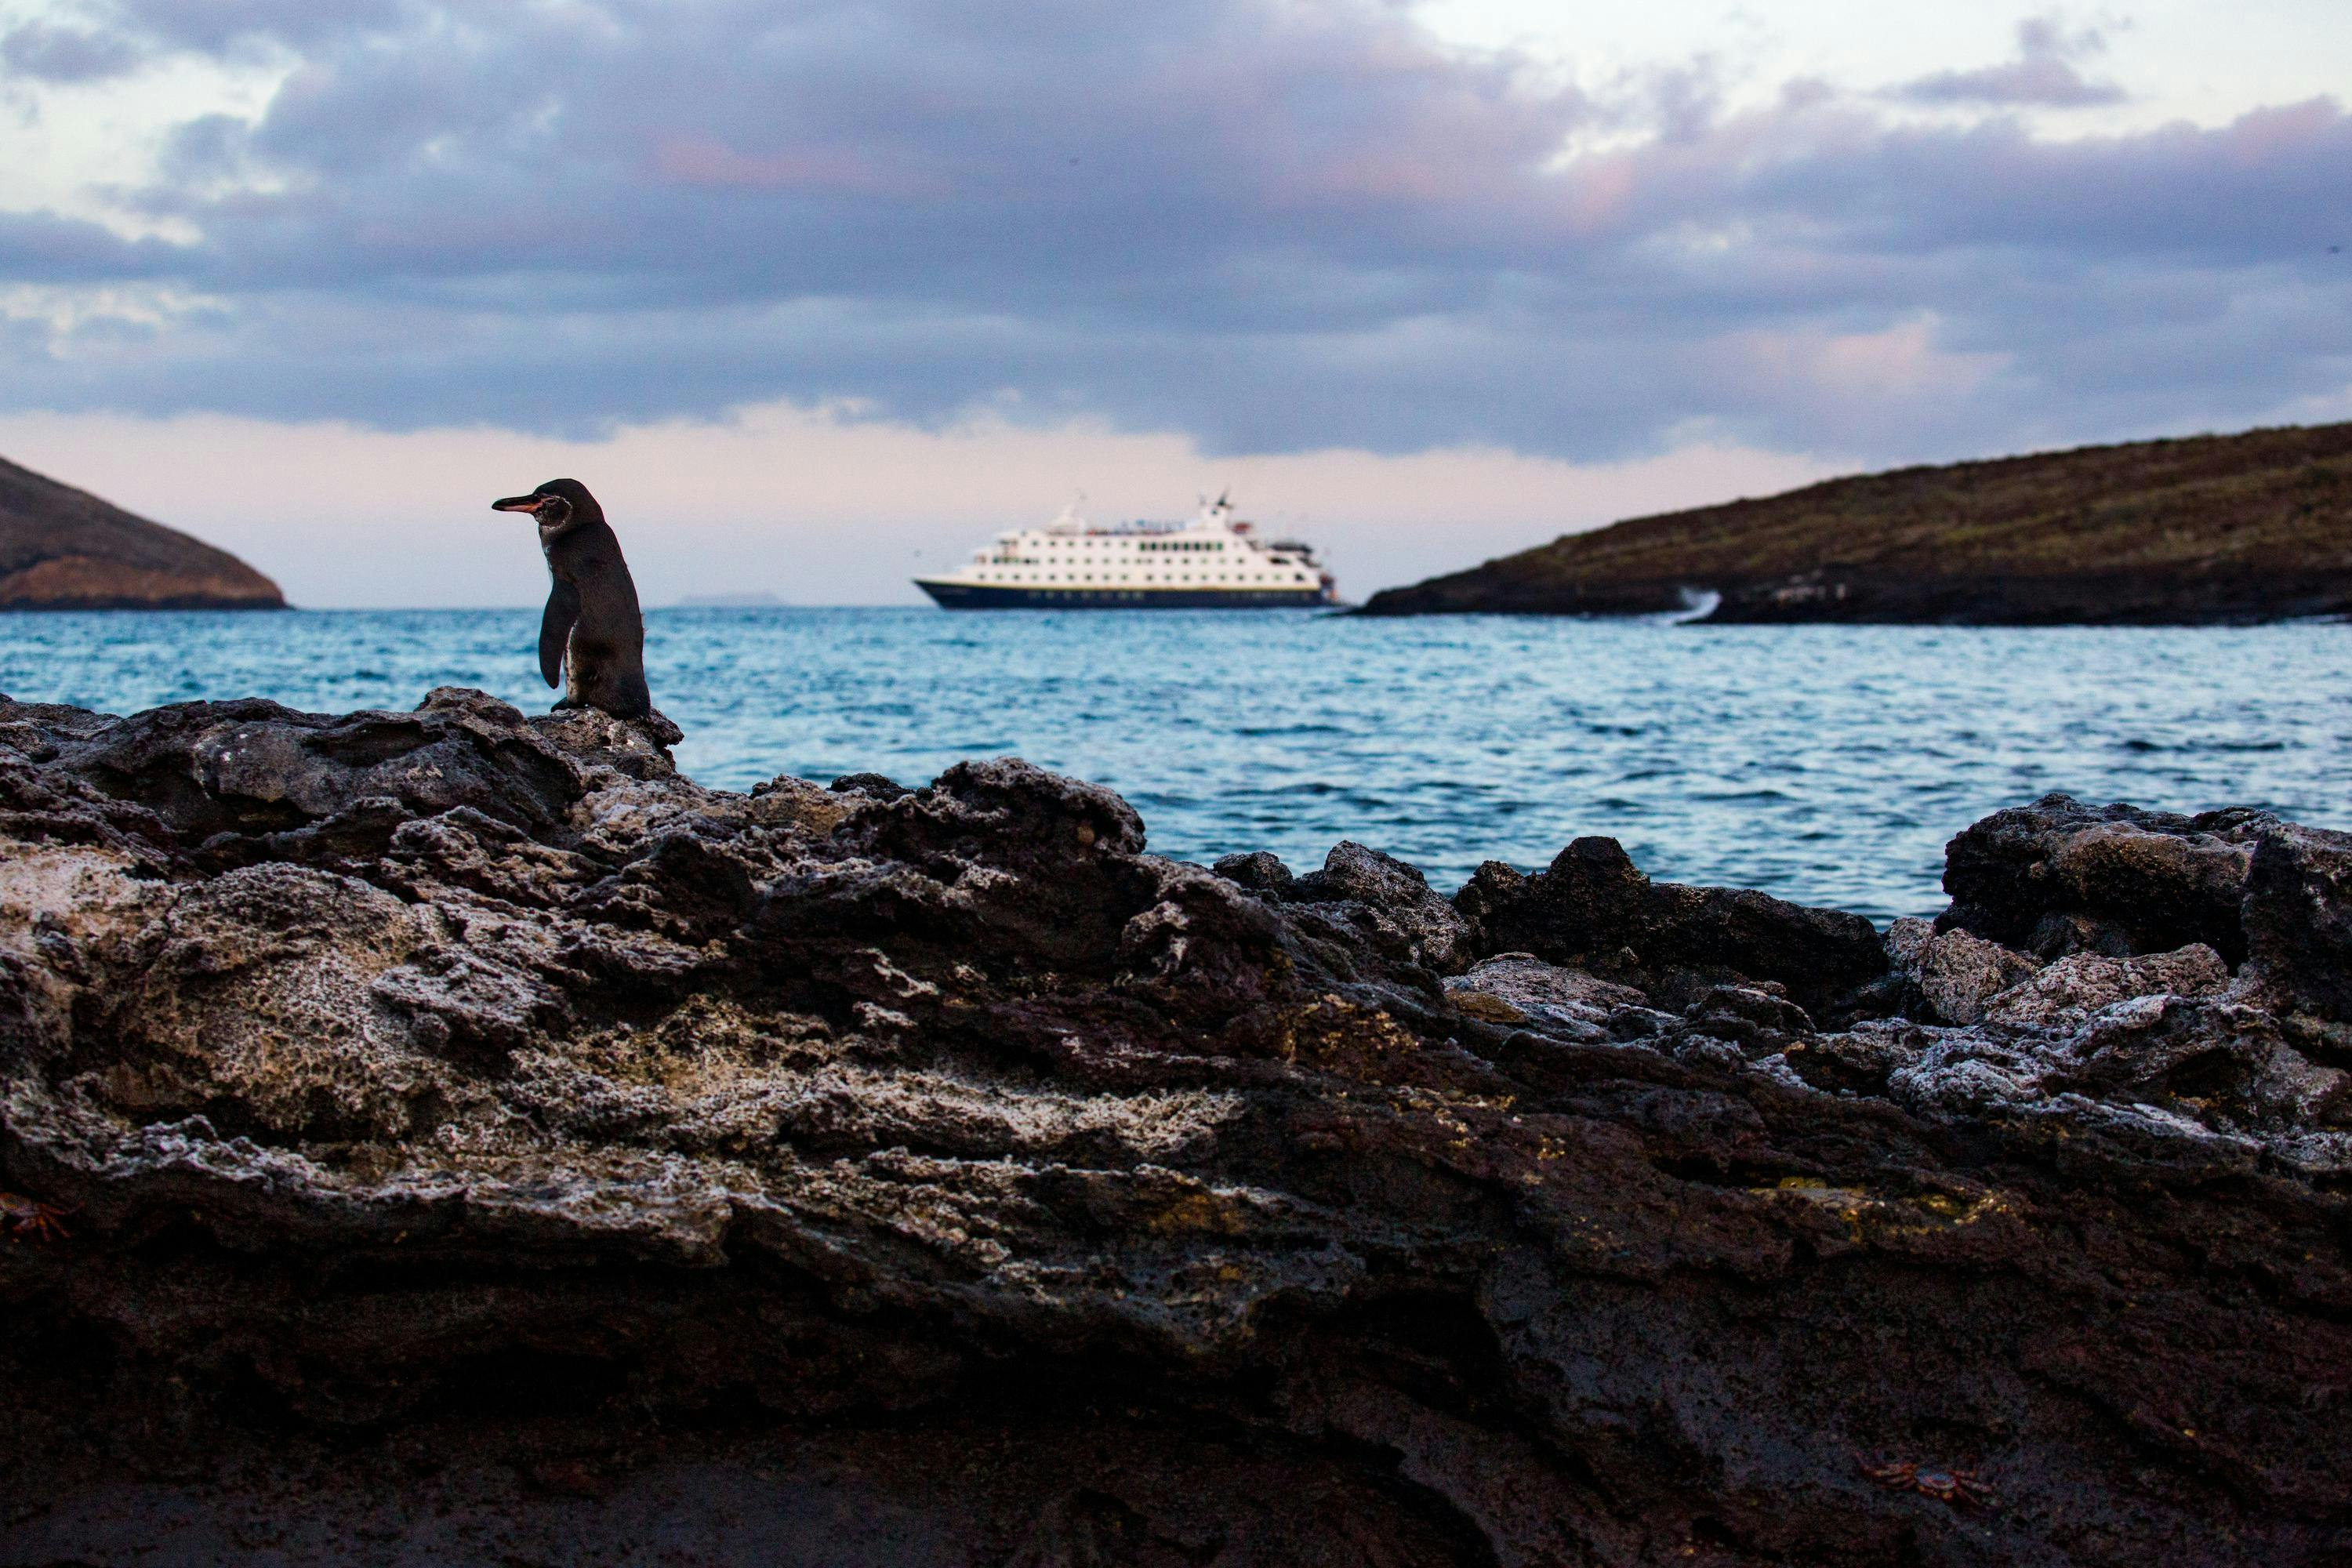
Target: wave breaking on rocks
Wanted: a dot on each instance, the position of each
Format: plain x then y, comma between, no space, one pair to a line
456,1136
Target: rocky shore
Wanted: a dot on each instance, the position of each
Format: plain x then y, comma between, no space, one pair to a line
451,1136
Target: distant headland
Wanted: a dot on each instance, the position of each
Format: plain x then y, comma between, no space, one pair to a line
64,549
2207,529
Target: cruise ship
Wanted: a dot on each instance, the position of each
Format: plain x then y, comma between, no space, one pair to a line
1216,562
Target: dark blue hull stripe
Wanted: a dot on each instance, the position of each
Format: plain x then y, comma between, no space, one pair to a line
965,596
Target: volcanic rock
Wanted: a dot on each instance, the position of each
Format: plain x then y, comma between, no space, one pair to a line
1387,898
1958,974
2298,919
2065,993
1520,988
1592,908
2061,876
2275,897
455,1136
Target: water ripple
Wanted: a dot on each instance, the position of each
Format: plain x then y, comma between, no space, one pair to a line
1827,764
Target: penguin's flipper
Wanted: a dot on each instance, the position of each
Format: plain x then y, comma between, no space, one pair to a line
555,629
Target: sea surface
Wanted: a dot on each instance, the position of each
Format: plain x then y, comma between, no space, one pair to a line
1823,764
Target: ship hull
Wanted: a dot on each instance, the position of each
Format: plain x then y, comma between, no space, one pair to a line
994,596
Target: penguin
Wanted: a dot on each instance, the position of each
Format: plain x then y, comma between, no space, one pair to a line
591,637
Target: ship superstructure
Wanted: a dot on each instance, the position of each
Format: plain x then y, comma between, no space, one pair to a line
1214,561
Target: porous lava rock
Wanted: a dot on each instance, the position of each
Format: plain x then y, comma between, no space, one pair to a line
1593,909
2058,876
2298,918
455,1136
1959,974
2068,992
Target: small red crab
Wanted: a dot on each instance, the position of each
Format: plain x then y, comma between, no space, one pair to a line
1944,1485
29,1217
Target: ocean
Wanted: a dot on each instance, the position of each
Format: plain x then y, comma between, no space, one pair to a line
1827,764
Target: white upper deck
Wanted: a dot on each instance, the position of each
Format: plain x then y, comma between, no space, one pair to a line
1216,553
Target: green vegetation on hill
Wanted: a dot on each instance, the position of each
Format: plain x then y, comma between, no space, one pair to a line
2215,528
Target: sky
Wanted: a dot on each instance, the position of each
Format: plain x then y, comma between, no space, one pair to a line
818,295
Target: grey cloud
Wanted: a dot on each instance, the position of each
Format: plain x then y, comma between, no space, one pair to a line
46,51
2044,75
38,247
93,40
226,26
1272,225
2265,187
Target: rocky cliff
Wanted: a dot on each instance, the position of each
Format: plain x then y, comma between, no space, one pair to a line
64,549
2220,528
451,1136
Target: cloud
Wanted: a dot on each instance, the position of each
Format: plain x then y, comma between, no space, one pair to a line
2044,75
1272,225
44,51
38,247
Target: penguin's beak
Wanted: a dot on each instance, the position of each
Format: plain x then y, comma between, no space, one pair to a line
520,503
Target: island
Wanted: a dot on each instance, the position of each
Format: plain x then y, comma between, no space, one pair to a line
65,549
2213,529
456,1136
